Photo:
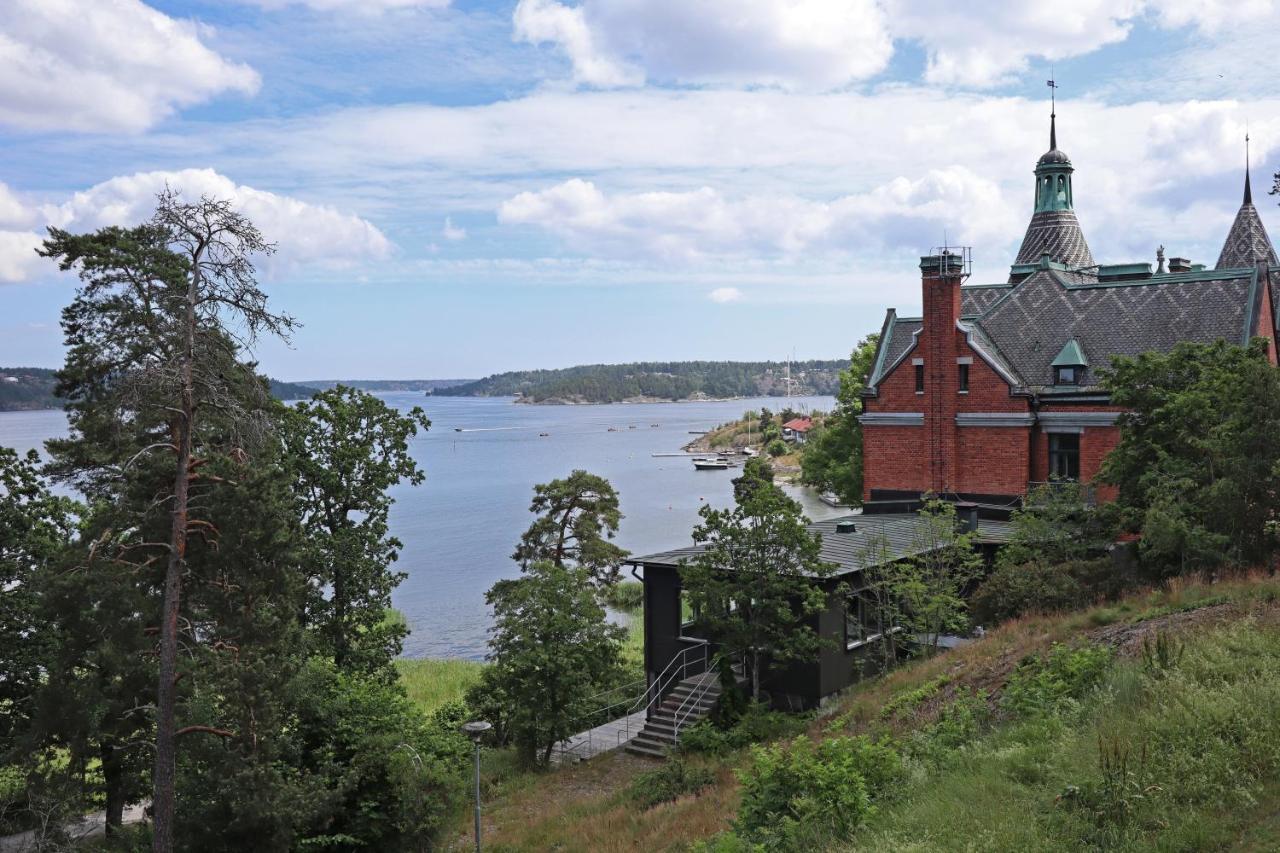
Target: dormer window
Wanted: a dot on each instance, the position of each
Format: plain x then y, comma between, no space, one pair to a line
1069,366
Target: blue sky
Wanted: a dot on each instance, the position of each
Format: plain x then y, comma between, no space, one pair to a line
459,188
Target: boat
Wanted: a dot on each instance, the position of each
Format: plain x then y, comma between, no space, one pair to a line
830,499
711,463
543,434
749,451
654,426
457,429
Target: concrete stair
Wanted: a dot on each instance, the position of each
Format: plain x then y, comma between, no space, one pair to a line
659,732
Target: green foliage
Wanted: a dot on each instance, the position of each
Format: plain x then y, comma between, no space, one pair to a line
831,459
757,473
756,724
909,700
1161,653
1042,683
755,586
794,794
1012,590
34,528
928,586
674,779
776,447
1198,465
346,450
1056,524
551,649
348,765
577,516
958,723
678,380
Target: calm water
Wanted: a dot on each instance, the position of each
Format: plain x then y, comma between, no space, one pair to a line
460,526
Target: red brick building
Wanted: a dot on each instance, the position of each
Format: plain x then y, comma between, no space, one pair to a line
995,387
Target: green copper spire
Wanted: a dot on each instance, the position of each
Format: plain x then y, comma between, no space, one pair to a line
1053,174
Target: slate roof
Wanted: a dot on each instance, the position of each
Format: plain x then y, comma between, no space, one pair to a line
896,337
1247,242
976,298
853,552
1055,233
1022,331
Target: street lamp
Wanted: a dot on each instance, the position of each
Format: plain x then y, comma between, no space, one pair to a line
475,730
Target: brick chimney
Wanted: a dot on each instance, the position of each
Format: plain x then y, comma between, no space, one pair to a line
941,275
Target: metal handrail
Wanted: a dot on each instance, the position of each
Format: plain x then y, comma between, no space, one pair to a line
690,703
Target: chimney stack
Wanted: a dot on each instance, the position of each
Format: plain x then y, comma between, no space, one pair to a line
1179,265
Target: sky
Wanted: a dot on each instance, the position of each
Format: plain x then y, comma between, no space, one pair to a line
458,188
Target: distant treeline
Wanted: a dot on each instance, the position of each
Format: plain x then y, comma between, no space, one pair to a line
387,384
30,388
675,380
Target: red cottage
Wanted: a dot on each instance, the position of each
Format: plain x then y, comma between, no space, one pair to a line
995,388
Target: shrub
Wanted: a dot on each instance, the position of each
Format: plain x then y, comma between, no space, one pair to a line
794,794
1011,591
958,724
776,447
757,725
672,780
1041,683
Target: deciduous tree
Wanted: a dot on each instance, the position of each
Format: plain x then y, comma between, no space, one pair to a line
756,586
832,455
347,449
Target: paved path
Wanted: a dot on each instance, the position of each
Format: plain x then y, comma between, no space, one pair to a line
89,826
601,739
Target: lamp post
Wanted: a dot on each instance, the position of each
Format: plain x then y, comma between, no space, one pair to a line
475,730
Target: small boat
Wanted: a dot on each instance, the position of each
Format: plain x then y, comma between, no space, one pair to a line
613,429
543,434
654,426
711,463
457,429
749,451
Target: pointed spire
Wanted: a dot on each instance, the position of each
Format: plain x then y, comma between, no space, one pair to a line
1248,190
1053,114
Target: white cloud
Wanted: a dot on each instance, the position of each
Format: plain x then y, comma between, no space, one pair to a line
305,233
1009,35
792,43
104,66
703,223
724,295
18,258
451,231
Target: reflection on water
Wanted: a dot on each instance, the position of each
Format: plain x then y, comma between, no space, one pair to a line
461,525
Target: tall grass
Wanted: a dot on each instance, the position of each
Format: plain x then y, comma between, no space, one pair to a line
432,683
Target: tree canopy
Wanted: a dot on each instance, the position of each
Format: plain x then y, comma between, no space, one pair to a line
577,516
832,454
1198,463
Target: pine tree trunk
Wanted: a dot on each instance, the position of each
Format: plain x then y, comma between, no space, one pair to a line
113,781
165,775
755,676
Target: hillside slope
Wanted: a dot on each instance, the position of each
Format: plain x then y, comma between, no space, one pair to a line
30,388
1147,724
676,380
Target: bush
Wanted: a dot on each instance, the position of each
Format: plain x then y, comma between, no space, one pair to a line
1011,591
672,780
958,724
793,795
757,725
1041,684
776,447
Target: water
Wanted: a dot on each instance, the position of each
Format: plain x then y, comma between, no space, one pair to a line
461,525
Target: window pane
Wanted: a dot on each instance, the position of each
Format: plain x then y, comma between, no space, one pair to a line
919,377
1064,455
964,377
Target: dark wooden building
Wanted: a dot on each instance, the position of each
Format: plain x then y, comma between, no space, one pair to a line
851,650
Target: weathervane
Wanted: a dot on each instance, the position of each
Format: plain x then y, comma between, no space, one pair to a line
1053,91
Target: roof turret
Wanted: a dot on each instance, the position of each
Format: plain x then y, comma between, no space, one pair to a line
1247,243
1054,229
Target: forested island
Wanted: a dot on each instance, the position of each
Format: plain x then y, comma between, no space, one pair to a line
32,388
651,381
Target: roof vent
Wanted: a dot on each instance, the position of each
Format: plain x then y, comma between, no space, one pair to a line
846,527
1179,265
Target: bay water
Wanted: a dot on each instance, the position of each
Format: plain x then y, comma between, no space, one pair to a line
461,525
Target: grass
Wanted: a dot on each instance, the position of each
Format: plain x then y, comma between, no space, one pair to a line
1200,745
432,683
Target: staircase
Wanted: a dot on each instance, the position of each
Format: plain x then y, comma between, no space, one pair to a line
687,703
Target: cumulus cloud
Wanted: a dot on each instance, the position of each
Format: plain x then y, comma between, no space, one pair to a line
105,66
826,44
724,295
451,231
703,223
792,43
305,233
